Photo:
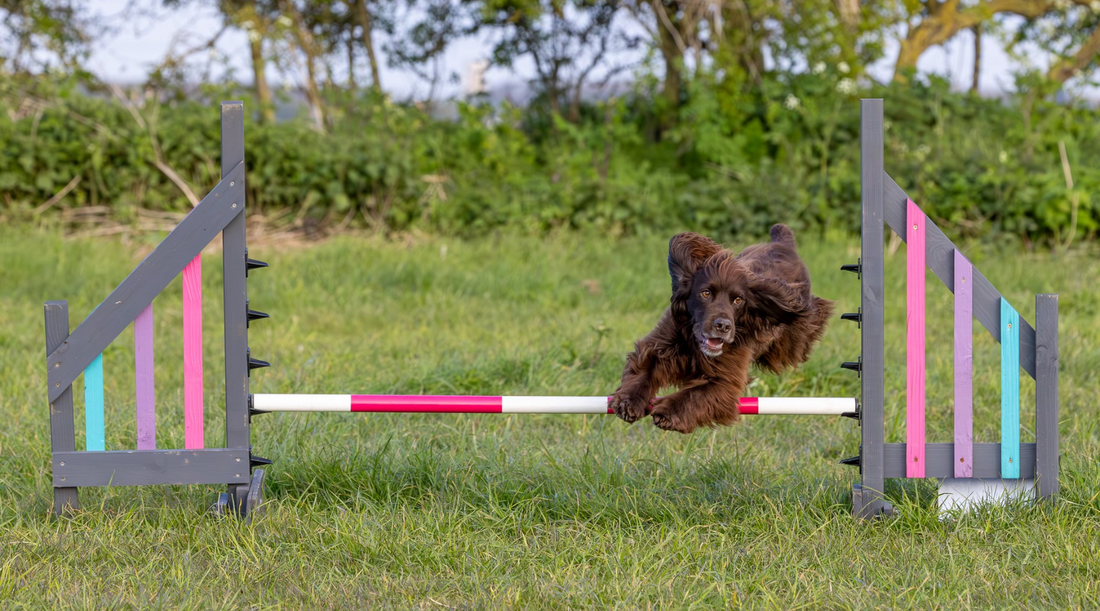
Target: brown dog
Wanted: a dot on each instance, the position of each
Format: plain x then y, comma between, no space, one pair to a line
727,312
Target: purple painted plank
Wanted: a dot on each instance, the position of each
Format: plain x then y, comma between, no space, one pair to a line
143,380
964,367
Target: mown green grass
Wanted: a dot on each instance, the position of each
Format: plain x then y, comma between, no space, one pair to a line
534,512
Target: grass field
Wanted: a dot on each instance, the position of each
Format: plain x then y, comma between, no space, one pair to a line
539,512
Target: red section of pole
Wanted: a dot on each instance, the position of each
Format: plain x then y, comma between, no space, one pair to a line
436,404
749,406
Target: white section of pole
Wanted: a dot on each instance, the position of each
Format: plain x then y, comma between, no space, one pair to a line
554,405
806,405
301,403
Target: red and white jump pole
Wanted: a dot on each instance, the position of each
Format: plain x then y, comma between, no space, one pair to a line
456,404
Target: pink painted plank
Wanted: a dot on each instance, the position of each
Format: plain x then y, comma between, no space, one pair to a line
143,380
964,367
914,342
192,354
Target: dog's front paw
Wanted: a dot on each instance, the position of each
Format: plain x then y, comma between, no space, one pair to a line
669,419
629,406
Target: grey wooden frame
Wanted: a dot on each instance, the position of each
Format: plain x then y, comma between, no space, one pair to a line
222,210
884,205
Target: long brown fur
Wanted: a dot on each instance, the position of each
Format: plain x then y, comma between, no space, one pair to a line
757,303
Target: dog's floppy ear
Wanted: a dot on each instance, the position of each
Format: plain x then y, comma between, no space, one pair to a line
775,300
686,252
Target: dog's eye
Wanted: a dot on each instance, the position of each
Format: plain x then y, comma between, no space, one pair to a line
705,294
737,300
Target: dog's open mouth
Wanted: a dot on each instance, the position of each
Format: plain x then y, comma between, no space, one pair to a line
711,346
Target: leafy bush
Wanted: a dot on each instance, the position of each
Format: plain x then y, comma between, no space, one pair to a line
734,163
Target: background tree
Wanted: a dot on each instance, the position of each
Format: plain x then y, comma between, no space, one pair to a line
566,40
38,34
934,22
366,19
1070,33
256,18
421,31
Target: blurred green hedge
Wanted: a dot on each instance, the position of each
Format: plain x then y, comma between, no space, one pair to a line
731,165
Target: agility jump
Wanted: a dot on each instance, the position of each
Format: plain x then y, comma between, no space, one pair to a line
1007,465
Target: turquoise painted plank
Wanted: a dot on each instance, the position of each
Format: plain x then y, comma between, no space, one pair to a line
95,434
1010,391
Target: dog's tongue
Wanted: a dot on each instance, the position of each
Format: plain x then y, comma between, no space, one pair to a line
714,343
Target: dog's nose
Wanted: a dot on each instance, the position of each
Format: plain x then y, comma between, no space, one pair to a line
722,325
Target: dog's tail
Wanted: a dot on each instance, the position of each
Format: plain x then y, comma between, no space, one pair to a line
781,234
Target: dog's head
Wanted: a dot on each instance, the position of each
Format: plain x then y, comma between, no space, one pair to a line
720,298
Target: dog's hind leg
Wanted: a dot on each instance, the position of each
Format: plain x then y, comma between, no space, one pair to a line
688,409
797,341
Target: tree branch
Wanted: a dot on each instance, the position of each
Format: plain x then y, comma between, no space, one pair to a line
944,20
1066,69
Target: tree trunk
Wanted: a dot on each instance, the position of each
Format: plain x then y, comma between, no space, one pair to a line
330,83
259,78
977,58
915,43
306,43
312,91
849,13
351,64
553,90
739,38
367,24
673,55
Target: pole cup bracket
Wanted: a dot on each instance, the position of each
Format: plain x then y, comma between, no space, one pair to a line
855,268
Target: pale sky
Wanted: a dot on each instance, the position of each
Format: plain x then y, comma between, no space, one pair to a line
142,41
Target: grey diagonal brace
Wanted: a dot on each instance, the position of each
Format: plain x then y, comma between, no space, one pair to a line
147,280
940,251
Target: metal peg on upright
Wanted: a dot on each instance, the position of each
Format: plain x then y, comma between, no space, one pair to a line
856,316
856,268
251,264
856,366
255,363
